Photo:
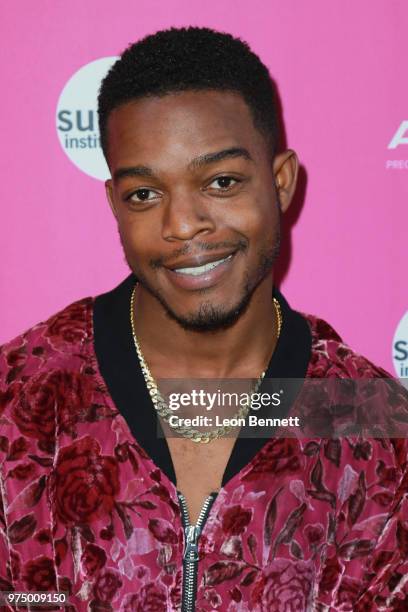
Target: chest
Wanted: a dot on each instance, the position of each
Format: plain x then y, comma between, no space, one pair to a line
199,469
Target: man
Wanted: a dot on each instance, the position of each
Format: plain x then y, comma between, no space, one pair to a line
96,504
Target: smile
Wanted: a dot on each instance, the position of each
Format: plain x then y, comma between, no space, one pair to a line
203,275
198,270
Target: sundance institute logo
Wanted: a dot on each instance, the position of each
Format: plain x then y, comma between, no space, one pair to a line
77,118
400,348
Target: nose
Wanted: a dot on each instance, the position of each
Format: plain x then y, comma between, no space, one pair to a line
186,215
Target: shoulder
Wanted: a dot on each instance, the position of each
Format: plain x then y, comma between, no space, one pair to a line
332,357
59,343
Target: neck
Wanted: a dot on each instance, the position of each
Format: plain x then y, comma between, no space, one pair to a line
242,350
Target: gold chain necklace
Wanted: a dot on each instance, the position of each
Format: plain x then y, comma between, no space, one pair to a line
161,405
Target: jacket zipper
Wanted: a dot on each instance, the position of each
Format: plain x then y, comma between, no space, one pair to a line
190,555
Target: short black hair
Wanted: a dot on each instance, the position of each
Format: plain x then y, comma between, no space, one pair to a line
190,58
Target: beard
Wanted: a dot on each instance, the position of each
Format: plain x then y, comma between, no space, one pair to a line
210,317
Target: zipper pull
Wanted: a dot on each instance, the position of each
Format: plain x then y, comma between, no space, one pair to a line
192,532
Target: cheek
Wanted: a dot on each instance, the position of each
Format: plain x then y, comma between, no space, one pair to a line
136,236
258,220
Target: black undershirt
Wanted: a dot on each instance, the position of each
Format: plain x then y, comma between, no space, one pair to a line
120,368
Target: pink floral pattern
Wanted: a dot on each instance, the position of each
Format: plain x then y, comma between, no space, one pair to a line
307,524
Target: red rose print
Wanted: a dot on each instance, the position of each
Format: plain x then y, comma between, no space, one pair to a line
68,326
34,407
93,559
107,585
85,482
235,520
284,586
39,574
151,598
278,456
34,411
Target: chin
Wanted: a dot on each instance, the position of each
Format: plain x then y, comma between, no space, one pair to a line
207,319
209,316
209,310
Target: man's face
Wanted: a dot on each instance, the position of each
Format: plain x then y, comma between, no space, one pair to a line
194,194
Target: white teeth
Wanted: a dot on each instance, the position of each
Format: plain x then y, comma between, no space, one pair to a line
197,270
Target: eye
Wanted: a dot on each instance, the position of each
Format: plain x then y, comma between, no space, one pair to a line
223,183
142,195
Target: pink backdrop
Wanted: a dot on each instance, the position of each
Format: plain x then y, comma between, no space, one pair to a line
341,71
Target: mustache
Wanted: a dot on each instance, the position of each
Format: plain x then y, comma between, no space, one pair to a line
199,247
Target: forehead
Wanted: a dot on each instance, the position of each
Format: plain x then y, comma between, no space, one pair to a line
181,125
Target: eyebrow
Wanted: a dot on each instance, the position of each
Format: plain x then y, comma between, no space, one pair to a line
210,158
121,173
198,162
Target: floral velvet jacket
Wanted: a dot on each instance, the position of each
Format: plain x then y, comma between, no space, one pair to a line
307,524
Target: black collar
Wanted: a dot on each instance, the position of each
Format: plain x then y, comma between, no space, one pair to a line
121,371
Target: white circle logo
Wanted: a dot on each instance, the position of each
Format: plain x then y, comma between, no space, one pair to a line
77,118
400,348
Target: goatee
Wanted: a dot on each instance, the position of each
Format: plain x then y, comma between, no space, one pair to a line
210,317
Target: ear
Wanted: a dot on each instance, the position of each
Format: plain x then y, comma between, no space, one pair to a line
285,171
110,197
